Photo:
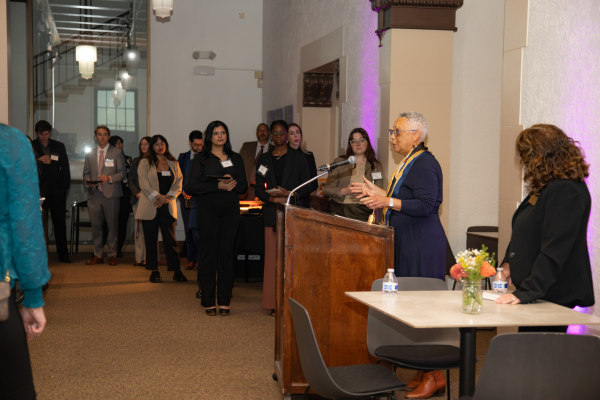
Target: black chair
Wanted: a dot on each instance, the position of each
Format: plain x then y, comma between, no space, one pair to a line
350,382
76,223
549,366
419,349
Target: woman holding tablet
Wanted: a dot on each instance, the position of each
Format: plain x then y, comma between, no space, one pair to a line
217,177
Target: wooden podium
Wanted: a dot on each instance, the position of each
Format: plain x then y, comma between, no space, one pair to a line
319,257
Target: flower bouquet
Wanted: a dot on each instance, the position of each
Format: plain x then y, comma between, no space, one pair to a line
470,268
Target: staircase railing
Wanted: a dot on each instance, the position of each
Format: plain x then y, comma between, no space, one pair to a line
107,51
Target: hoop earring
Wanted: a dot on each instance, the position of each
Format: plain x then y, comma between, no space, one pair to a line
414,146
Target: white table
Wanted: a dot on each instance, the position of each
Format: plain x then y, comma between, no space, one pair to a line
443,309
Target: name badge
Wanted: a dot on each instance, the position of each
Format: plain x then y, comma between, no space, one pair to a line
263,170
376,175
109,163
166,173
54,157
226,163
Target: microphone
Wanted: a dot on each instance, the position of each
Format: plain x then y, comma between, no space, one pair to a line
331,167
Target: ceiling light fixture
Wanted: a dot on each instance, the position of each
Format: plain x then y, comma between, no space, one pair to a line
162,8
86,56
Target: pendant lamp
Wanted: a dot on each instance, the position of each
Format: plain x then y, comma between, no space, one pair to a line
86,56
132,60
125,78
162,8
120,92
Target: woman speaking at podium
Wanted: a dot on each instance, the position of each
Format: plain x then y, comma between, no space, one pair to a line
411,202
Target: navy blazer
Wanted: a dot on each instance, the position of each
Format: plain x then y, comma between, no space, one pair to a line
184,159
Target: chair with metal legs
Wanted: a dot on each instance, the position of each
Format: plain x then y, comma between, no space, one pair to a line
419,349
368,381
76,223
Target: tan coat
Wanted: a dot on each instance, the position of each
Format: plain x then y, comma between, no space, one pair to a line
149,187
340,178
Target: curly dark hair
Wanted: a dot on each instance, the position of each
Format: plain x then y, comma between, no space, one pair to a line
370,153
547,153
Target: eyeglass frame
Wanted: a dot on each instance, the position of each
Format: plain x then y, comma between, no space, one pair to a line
361,140
396,132
280,133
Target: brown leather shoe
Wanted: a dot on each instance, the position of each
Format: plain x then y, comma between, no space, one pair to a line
433,383
94,261
112,261
190,265
415,382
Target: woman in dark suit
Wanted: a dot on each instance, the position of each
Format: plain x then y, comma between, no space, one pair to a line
411,203
282,168
547,257
218,213
297,142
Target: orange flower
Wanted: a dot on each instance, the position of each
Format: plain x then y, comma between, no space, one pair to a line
457,272
487,270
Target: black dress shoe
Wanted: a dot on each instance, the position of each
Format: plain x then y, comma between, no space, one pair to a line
224,311
155,277
179,277
65,259
199,294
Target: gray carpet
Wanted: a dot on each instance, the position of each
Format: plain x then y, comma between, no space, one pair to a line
112,334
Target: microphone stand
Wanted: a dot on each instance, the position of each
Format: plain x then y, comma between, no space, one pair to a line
304,184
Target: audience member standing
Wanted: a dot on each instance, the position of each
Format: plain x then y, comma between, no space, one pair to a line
185,200
217,177
297,142
134,186
20,229
160,182
55,179
250,152
103,171
125,202
282,168
338,186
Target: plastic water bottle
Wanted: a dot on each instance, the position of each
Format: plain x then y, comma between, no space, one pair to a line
390,283
500,284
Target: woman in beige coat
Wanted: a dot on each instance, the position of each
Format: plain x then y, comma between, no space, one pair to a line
160,181
341,201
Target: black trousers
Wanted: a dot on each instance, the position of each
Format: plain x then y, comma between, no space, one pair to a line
57,205
218,225
16,379
165,221
124,212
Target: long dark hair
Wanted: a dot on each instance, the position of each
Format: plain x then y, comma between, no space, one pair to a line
147,139
547,153
206,150
151,155
370,153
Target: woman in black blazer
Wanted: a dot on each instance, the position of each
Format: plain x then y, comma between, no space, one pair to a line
297,142
218,213
282,168
547,257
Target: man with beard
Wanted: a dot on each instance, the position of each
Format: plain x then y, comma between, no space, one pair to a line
250,152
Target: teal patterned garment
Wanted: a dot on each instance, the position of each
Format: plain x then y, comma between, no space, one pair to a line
22,245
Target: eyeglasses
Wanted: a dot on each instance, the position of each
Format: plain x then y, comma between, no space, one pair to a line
281,133
398,131
354,141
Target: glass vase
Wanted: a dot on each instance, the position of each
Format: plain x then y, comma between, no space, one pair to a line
472,297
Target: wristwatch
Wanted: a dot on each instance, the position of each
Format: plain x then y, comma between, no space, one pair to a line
391,202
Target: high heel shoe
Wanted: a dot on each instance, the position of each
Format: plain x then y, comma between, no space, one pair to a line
224,311
433,383
211,312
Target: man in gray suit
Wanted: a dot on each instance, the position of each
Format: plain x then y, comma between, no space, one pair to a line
103,171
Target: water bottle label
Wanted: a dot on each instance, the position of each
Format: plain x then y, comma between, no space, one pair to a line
500,285
390,287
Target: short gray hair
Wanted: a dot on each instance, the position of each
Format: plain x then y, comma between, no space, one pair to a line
418,121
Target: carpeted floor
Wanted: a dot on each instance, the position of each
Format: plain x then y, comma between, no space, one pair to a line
112,334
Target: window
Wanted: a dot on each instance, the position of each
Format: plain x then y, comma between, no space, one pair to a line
121,118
